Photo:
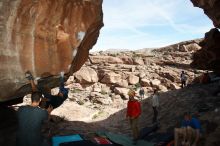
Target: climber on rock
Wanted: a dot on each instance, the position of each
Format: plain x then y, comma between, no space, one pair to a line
49,99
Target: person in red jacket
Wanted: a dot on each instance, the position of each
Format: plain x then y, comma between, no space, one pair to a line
133,112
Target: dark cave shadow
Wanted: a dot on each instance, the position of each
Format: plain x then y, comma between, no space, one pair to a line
8,126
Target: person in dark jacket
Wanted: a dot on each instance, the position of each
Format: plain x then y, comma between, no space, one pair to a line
141,93
155,105
30,121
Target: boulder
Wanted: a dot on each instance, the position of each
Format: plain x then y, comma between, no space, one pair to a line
138,61
111,78
132,79
121,91
127,60
70,80
170,75
183,48
122,83
106,59
86,75
193,47
173,86
145,82
102,88
209,56
149,89
97,89
142,74
166,82
155,83
162,88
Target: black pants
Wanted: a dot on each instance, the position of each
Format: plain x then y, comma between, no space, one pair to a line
155,114
183,84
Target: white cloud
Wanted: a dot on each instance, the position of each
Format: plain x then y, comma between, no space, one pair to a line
138,20
129,13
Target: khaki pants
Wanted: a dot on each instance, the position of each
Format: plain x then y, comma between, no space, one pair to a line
134,127
187,134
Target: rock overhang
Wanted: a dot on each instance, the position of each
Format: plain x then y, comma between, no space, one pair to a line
44,37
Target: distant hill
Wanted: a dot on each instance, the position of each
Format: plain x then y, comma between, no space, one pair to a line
146,50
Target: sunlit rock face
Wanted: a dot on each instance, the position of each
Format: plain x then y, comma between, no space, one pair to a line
211,9
44,37
209,56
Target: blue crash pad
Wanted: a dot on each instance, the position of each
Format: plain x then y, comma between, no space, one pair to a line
57,140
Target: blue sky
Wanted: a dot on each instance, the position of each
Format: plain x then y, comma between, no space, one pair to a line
137,24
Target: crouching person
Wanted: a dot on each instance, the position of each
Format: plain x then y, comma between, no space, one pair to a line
190,132
133,113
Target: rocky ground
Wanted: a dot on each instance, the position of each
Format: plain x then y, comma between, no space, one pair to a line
98,93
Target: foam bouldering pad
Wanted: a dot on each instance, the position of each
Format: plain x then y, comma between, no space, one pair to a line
85,143
57,140
102,140
123,140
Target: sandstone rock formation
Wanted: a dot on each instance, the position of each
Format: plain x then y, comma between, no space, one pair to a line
126,60
211,9
86,75
121,91
145,82
155,83
45,37
106,59
111,78
138,61
208,57
132,79
161,70
192,47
